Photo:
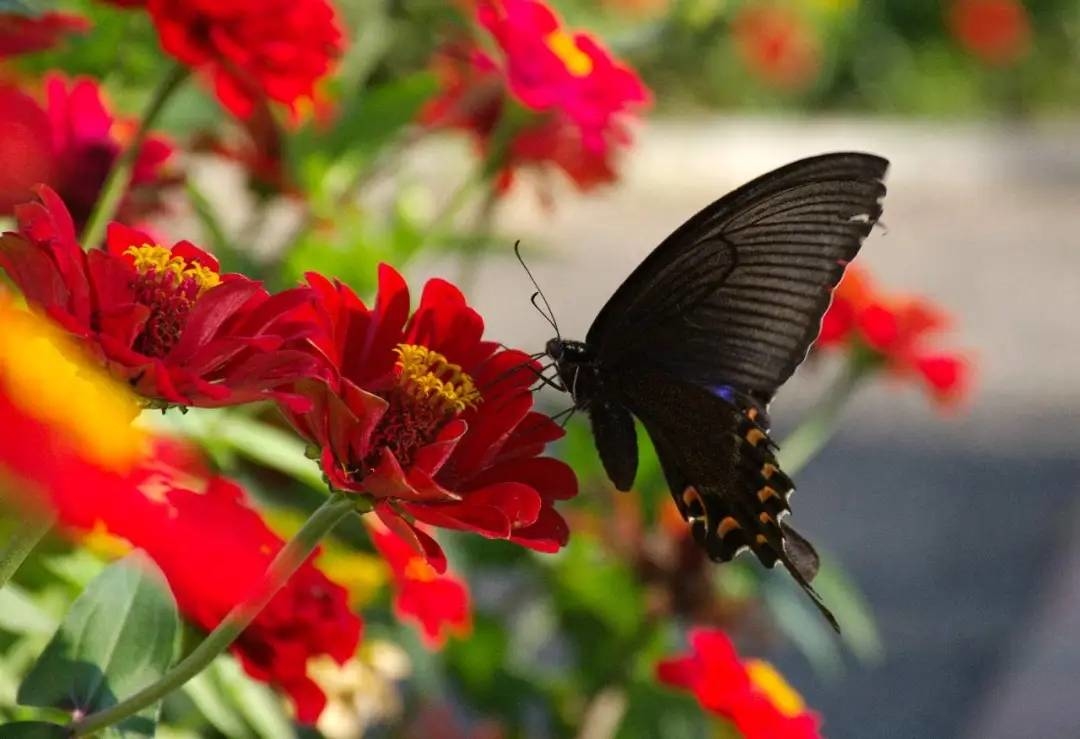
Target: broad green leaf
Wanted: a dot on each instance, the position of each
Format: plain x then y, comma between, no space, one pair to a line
118,637
32,730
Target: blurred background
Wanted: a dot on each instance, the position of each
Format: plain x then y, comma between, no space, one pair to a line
951,531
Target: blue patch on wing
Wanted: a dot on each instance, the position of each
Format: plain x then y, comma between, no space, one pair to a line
727,392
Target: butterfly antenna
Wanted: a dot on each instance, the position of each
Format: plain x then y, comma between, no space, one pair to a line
549,316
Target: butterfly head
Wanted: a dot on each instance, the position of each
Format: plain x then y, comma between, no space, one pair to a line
577,367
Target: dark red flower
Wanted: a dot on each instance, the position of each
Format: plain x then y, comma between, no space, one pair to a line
70,143
162,319
777,44
251,49
894,331
21,33
439,603
752,694
996,31
431,421
577,95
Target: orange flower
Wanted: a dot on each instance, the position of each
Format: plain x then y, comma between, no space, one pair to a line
893,330
998,32
778,45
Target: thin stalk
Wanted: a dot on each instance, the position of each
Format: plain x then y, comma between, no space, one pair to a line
22,542
821,423
116,184
288,560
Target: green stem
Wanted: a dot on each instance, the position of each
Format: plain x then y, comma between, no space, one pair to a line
820,424
22,542
116,184
288,560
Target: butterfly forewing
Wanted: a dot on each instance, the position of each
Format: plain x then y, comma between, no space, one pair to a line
735,296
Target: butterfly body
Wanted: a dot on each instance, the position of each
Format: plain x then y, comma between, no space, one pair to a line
696,342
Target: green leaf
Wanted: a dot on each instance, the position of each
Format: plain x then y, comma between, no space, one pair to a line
20,615
32,730
118,637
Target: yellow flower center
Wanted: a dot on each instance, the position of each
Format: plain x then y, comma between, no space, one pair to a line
770,682
563,45
168,285
427,376
158,261
51,382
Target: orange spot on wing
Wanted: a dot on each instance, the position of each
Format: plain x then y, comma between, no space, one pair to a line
728,525
755,436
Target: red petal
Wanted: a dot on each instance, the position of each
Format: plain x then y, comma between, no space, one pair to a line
420,542
549,534
208,314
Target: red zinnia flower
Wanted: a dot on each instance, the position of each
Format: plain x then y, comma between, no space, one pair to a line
21,34
778,45
438,603
751,694
160,318
578,94
70,144
894,330
431,421
251,49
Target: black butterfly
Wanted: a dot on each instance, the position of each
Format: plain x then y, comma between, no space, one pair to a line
696,342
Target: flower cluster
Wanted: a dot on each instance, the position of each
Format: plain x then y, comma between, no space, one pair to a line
893,331
427,418
576,95
161,318
250,49
69,141
750,694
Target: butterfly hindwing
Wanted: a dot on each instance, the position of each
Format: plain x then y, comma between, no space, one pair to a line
735,296
722,470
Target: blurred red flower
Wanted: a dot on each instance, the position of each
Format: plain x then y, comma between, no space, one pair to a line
751,694
894,331
65,426
577,94
21,33
996,31
162,319
777,44
431,421
438,603
251,49
70,143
